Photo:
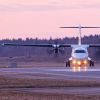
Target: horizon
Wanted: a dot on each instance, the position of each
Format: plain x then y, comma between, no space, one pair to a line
42,19
85,36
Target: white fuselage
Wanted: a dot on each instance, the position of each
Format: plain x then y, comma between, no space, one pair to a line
80,53
79,56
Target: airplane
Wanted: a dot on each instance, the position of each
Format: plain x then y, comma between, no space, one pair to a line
79,56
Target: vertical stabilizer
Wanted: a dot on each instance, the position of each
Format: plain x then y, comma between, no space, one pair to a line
79,38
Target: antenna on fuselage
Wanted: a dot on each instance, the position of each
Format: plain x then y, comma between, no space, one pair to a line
80,32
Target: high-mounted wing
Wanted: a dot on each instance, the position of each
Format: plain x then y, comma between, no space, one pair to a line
35,45
94,45
38,45
65,45
48,45
56,48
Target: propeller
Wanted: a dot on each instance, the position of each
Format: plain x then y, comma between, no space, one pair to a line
56,49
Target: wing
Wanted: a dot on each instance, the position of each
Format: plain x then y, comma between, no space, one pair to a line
34,45
65,45
38,45
94,45
48,45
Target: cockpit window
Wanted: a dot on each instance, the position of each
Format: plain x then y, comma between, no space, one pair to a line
80,51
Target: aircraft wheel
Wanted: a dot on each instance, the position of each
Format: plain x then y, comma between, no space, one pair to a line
68,64
91,63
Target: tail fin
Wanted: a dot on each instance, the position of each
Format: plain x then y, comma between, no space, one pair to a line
79,38
80,32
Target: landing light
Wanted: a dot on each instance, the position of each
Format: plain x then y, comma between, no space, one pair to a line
85,61
74,61
79,62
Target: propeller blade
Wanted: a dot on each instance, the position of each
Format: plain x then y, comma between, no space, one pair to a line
62,51
50,51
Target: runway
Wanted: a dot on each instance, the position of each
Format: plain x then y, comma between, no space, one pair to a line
58,72
54,73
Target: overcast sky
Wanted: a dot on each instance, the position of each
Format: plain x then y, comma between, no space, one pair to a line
42,18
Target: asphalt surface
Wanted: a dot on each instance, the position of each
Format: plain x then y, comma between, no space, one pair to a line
55,73
92,73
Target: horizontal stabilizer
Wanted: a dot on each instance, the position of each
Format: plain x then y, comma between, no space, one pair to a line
80,27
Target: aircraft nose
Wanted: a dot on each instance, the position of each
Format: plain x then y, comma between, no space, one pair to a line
80,56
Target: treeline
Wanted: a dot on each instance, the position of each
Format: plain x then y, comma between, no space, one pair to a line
10,51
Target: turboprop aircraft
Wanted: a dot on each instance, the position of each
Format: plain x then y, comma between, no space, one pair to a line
79,56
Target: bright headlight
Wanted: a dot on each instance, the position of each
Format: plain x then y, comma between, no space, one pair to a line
85,61
74,61
79,62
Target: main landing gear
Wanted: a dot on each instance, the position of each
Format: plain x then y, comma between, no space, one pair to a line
91,63
68,64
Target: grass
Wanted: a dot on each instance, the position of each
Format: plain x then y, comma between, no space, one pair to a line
26,82
14,95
